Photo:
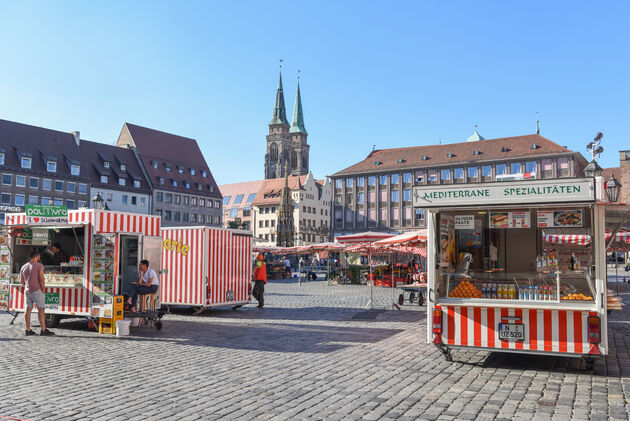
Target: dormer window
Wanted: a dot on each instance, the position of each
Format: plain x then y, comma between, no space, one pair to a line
534,146
192,171
476,152
154,164
104,179
168,167
161,180
51,166
504,149
26,162
180,169
450,155
122,182
136,184
75,169
400,160
199,186
187,184
107,164
1,159
174,183
377,162
204,174
123,167
424,157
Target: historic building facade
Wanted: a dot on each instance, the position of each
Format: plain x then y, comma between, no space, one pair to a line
376,193
287,146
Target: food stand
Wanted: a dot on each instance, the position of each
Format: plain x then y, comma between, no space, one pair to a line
104,249
498,282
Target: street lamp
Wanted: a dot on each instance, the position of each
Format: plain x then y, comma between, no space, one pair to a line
593,169
612,187
98,202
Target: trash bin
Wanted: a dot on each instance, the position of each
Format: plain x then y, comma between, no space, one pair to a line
122,327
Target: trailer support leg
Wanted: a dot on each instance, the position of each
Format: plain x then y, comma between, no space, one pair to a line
15,316
446,351
199,311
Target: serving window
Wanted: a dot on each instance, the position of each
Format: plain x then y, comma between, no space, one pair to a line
534,254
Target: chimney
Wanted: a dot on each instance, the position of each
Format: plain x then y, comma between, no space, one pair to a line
77,137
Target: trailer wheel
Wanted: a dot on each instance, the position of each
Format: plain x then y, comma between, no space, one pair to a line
158,325
412,296
52,320
401,298
420,299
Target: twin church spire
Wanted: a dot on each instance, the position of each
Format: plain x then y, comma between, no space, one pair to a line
280,111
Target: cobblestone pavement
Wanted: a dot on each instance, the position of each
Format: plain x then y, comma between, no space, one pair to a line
311,353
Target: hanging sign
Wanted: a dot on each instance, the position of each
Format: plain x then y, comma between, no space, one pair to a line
46,214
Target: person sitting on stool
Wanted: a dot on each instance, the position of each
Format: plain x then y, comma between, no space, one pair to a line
147,284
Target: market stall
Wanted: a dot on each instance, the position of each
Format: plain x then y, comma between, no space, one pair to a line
509,269
100,254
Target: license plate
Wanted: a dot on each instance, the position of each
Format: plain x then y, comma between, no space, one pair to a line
511,332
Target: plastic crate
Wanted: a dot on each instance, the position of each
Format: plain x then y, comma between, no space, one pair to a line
107,326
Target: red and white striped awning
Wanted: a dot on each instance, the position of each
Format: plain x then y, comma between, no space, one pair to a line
413,238
620,236
579,239
362,237
367,248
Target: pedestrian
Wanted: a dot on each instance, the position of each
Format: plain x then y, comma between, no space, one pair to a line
287,267
260,279
32,279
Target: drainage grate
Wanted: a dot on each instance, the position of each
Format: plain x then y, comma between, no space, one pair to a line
367,315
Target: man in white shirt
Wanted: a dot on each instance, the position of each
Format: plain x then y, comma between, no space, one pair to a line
287,266
147,284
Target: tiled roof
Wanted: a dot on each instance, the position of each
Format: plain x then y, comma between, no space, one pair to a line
39,143
245,188
608,171
456,153
172,150
271,190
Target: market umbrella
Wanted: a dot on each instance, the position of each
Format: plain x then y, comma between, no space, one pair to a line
362,237
413,238
329,247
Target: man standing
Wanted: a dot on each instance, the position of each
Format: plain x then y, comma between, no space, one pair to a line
32,279
147,284
287,267
260,279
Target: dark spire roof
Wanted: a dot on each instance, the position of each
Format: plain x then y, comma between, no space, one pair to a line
298,116
279,110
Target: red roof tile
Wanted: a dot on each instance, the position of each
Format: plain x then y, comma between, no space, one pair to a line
272,189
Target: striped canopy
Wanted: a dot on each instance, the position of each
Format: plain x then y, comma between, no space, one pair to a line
413,238
362,237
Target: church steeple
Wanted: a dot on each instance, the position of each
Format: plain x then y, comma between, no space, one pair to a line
279,110
298,116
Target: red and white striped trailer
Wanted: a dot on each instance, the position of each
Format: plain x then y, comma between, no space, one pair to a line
105,246
206,267
496,282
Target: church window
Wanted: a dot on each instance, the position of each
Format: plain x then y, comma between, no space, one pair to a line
294,160
273,152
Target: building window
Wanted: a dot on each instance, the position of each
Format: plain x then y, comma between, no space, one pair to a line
372,180
233,212
7,179
82,188
136,184
530,166
458,175
6,199
238,199
515,168
123,167
1,159
395,197
420,177
193,217
547,168
260,224
33,200
383,180
109,196
407,178
81,204
154,164
161,180
349,182
106,164
432,176
185,217
159,196
178,199
174,183
180,169
563,167
167,215
395,178
20,181
360,181
134,200
158,212
226,200
19,200
58,185
501,169
217,204
186,200
58,202
168,198
210,203
486,173
143,201
70,204
104,179
445,175
51,166
75,169
192,171
338,183
472,173
168,167
186,184
193,201
70,187
46,184
407,195
125,199
419,216
204,174
122,182
176,216
266,223
26,162
33,183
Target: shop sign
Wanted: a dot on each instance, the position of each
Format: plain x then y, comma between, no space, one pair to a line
52,298
534,191
46,214
41,237
559,218
176,246
5,208
464,222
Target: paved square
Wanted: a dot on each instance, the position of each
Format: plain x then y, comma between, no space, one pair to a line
312,353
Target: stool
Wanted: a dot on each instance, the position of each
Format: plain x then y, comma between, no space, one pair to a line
147,302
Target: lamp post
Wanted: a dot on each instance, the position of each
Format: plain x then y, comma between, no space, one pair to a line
98,202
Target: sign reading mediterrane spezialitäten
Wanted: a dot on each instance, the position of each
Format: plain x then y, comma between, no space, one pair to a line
534,191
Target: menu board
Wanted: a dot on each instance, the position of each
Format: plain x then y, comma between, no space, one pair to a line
5,269
103,262
521,219
560,218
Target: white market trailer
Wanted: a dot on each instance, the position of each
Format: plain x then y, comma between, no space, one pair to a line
206,267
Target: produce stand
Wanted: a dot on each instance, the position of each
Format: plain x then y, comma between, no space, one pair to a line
104,251
498,282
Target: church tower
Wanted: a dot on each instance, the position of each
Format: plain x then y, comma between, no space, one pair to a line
286,144
300,148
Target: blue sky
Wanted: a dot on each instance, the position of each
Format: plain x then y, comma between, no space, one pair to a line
389,74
